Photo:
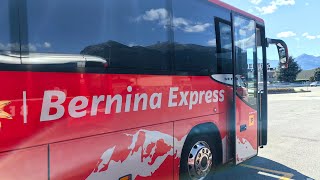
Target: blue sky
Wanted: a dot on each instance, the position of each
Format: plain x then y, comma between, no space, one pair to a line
294,21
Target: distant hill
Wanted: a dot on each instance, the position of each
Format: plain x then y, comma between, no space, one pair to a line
187,56
121,55
308,62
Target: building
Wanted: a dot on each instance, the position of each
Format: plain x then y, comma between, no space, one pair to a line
271,72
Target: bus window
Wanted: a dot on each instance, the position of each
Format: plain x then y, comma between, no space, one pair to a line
134,38
9,26
5,43
9,32
224,47
194,37
246,63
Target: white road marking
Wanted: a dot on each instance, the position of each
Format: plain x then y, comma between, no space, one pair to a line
285,175
274,176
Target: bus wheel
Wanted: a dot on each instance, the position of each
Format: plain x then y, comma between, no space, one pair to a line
197,158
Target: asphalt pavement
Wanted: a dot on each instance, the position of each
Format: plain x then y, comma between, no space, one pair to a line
293,150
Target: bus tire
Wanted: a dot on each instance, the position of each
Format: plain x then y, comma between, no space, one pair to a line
198,157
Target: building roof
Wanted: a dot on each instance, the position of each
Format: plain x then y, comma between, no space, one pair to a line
306,74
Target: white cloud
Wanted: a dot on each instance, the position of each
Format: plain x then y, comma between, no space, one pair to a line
284,2
180,22
30,47
246,43
310,37
154,14
273,6
34,47
196,28
162,17
286,34
188,26
47,45
243,32
212,42
10,46
238,21
256,2
268,9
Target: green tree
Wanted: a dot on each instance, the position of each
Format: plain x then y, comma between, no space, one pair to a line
317,74
289,74
311,79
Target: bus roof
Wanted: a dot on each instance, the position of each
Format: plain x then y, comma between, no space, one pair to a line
232,8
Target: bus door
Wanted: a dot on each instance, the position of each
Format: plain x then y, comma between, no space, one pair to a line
262,87
245,88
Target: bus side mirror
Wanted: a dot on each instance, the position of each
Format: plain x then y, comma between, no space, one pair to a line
282,51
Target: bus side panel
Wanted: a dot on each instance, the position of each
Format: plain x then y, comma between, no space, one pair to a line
143,153
26,105
31,163
182,129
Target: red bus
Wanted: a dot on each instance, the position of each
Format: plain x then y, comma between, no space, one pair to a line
133,89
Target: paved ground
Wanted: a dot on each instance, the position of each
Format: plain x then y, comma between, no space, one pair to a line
293,150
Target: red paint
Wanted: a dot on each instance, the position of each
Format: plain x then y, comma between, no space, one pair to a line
162,149
77,145
15,134
31,163
242,114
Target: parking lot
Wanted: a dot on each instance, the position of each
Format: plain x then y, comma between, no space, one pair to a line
293,150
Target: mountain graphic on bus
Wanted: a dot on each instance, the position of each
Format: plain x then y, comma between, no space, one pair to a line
140,157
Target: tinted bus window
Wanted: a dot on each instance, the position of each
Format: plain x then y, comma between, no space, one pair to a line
224,47
245,46
9,33
194,36
7,41
127,34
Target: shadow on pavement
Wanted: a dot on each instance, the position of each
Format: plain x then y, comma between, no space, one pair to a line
258,168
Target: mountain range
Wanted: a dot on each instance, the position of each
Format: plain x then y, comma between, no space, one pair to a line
308,62
193,57
187,55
